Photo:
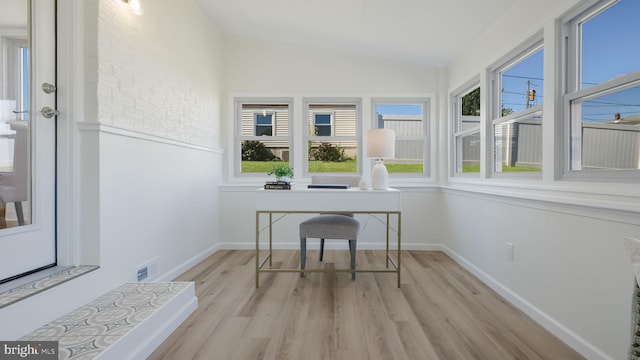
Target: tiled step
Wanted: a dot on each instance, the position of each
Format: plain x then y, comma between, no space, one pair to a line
126,323
30,287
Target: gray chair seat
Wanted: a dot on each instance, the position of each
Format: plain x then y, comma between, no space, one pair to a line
329,226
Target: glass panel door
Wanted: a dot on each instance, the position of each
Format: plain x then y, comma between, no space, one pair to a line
27,133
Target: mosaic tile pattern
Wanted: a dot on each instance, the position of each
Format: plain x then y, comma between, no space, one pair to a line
87,331
21,292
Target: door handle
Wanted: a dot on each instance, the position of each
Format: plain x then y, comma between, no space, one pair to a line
48,88
49,112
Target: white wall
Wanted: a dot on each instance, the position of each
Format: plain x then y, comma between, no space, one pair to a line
259,69
267,68
151,164
523,20
570,271
147,151
159,86
160,73
421,222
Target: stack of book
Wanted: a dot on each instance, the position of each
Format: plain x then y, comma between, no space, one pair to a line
278,185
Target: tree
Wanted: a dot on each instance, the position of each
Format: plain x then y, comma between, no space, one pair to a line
507,111
326,152
253,150
471,103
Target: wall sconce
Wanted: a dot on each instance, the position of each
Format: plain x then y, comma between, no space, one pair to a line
381,144
135,6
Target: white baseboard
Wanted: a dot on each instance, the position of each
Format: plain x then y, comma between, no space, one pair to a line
570,338
180,269
329,245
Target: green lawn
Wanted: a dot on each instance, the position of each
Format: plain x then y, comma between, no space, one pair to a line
314,166
350,166
404,168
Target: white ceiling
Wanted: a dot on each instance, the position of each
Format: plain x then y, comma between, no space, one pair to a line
417,31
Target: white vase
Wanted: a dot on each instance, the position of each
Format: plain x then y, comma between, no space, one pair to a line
364,184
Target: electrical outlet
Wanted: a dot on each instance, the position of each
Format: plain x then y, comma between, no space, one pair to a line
509,251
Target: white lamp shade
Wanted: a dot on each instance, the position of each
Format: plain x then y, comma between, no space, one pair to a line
381,143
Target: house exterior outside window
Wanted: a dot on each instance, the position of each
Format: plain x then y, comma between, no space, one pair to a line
332,135
263,136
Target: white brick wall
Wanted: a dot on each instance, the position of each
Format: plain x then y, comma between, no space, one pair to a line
159,73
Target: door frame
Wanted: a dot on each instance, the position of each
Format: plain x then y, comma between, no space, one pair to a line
77,178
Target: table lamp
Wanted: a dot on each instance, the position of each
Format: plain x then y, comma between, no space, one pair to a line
381,144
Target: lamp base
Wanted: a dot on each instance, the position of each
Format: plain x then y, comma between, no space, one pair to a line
379,176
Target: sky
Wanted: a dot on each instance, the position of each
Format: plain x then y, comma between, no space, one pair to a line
610,48
399,109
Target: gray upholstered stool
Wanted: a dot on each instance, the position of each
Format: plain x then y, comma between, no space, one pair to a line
330,226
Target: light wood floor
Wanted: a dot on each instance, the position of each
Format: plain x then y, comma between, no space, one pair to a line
440,312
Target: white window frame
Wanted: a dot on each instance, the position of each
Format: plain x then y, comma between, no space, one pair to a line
573,93
456,128
425,126
307,102
13,48
239,138
528,48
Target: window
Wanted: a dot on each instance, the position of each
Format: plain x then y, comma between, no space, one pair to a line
466,129
332,136
24,83
264,134
322,124
517,111
518,143
602,102
264,124
409,120
16,54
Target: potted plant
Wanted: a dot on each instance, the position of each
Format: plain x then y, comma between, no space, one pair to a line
281,172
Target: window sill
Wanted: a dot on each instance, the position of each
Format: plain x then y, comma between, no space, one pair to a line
620,204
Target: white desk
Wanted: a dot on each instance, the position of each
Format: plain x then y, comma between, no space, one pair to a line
327,201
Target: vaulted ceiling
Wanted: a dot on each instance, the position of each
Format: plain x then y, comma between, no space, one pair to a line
415,31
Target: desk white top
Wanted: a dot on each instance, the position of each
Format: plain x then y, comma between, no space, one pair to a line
352,199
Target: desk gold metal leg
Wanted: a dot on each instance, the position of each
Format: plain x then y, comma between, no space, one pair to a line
257,249
270,238
399,246
387,253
